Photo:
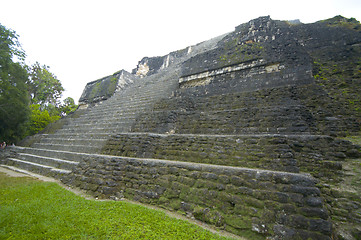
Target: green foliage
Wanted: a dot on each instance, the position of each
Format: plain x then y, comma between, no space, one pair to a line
19,84
42,116
39,119
44,87
341,81
235,53
14,101
68,106
340,21
103,88
31,209
95,91
112,85
9,46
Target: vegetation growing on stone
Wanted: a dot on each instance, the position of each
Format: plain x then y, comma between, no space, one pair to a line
328,106
100,89
241,53
252,145
340,21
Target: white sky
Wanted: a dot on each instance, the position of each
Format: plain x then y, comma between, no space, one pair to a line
84,40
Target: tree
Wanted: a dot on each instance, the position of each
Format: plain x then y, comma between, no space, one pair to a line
44,87
68,106
14,101
20,86
9,47
45,92
39,119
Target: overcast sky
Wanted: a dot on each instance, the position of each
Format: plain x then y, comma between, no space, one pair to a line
84,40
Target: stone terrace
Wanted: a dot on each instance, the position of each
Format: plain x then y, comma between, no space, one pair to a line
234,132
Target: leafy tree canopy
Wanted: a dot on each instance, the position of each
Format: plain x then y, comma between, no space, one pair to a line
39,119
9,46
14,101
44,87
68,106
29,96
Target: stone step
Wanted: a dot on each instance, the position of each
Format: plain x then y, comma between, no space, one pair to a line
67,147
141,95
130,99
230,109
79,135
119,109
105,124
244,130
224,130
94,121
110,116
107,119
23,171
48,161
124,103
138,94
37,168
115,111
75,141
303,136
153,91
95,130
65,155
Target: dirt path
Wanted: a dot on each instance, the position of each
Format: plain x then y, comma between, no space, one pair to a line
13,173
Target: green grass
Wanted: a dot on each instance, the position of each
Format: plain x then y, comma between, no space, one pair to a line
30,209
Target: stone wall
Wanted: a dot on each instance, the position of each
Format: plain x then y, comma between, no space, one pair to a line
268,97
249,202
151,65
104,88
247,76
297,109
257,55
321,156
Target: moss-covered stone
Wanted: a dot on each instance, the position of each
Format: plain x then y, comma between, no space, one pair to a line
274,101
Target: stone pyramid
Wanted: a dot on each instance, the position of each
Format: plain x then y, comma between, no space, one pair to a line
242,131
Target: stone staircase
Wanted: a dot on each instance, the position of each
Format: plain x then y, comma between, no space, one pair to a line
272,129
251,150
57,154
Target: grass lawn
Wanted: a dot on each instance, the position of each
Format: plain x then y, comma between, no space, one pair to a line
31,209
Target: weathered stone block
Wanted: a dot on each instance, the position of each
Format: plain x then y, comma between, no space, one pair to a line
314,202
237,181
249,102
209,176
314,212
305,191
107,190
320,225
